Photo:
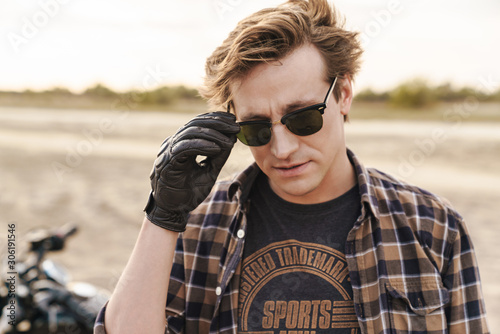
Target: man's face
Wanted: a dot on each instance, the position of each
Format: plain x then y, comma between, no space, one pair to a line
301,169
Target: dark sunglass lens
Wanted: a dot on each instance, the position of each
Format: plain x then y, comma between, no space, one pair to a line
241,137
254,134
305,123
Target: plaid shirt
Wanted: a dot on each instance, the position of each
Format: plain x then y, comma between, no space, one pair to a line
411,262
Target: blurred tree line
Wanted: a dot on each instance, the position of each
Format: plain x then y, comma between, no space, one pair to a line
100,95
412,94
164,95
417,93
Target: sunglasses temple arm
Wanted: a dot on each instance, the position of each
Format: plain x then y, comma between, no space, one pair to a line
329,91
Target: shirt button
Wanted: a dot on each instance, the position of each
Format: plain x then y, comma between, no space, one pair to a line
218,291
240,234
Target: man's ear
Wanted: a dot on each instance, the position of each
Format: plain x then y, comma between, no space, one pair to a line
346,95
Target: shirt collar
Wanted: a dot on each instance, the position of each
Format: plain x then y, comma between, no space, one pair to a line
242,183
365,184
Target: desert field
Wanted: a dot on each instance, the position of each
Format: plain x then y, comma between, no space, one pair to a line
91,168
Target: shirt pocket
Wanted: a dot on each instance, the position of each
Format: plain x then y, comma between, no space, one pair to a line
417,305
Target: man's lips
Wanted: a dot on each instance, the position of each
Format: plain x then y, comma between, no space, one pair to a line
291,169
290,166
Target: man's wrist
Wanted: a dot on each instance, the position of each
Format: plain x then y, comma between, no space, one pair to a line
172,223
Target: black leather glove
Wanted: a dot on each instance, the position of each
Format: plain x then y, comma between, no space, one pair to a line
179,182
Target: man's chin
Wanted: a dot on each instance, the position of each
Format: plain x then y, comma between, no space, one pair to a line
295,192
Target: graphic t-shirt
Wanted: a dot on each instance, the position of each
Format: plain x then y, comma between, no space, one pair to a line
294,273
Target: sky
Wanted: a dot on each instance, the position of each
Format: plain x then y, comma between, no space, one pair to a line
140,44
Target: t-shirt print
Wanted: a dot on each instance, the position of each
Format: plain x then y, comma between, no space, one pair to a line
293,287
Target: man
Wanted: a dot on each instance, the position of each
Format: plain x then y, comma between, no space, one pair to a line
306,240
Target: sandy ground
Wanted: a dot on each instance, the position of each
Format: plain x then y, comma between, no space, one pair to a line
91,168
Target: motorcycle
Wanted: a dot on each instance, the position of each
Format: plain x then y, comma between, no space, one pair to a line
40,298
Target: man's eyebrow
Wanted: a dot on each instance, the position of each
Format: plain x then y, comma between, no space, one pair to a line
255,116
298,105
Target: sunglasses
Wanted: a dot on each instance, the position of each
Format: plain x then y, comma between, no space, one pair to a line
302,122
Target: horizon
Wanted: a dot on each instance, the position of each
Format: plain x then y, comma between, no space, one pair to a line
430,85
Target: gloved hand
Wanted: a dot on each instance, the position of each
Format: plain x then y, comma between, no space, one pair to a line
179,183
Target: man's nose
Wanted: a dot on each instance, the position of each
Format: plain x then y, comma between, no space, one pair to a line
283,142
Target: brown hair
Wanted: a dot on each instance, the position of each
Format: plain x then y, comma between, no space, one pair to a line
271,34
